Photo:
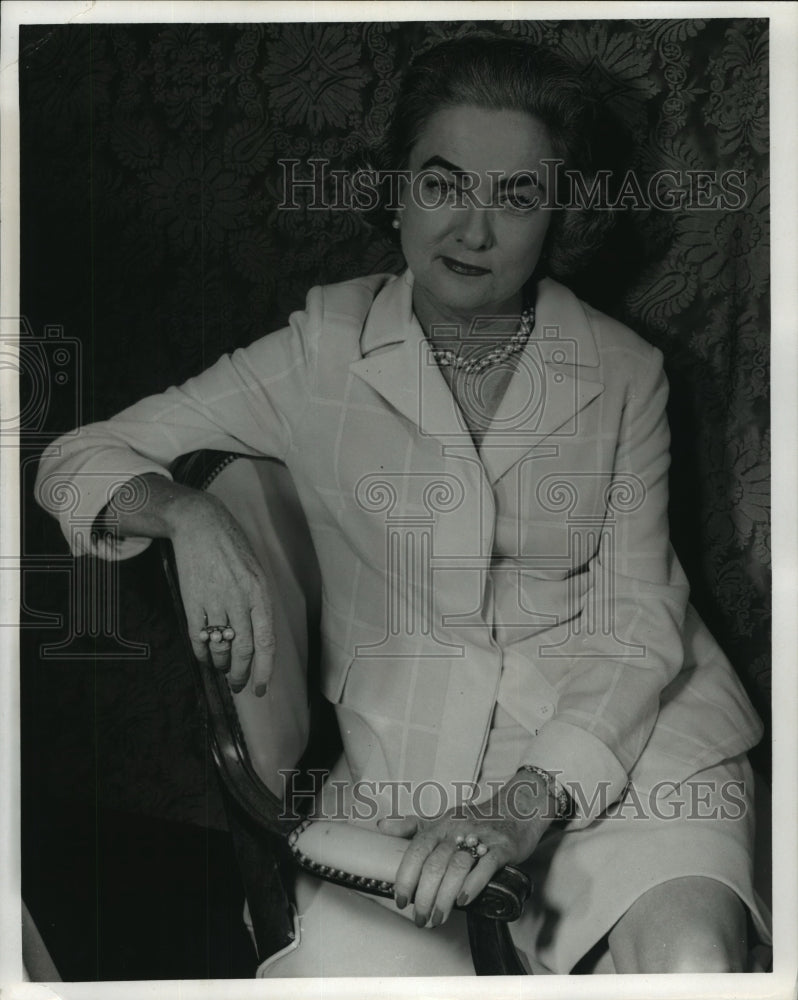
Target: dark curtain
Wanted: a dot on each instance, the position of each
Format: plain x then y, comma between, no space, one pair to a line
153,242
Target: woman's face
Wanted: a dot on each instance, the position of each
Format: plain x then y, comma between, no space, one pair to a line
471,239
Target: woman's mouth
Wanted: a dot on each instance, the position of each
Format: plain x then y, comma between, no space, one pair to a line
466,269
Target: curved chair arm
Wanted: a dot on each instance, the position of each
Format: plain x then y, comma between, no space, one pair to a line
324,847
488,915
367,860
225,735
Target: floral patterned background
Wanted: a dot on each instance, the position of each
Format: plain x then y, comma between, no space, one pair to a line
152,234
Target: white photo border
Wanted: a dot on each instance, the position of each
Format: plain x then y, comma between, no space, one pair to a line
784,382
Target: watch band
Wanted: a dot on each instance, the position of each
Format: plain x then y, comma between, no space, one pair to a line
564,802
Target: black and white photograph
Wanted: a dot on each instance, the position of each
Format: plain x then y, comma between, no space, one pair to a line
395,589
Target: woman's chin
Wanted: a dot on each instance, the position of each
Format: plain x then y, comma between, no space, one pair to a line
465,294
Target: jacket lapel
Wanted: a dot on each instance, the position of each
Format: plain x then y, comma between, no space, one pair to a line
397,363
557,374
556,377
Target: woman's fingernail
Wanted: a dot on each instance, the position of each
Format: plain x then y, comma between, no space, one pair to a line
260,690
401,900
420,920
462,899
437,917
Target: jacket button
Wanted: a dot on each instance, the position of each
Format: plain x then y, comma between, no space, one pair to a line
546,709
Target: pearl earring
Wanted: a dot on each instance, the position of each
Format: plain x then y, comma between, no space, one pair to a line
396,223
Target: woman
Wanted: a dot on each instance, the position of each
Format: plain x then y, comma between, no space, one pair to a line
513,442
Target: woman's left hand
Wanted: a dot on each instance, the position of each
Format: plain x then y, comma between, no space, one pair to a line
435,873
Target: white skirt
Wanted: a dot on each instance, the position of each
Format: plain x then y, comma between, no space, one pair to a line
583,881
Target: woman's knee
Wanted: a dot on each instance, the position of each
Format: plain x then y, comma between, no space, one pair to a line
687,952
705,952
687,925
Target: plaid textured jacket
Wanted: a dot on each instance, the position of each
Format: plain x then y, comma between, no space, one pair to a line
535,570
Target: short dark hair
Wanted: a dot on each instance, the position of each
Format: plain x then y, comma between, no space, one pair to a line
507,74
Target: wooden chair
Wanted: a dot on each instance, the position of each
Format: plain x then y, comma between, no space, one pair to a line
256,741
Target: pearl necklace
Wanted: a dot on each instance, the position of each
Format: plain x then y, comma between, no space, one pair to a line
471,366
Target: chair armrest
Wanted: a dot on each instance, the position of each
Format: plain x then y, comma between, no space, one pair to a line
262,827
367,860
228,746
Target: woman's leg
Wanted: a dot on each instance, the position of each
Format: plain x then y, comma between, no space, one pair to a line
690,924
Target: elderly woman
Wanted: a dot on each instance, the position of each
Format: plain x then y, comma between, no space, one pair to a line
548,657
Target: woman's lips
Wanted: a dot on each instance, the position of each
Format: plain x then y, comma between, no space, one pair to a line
467,269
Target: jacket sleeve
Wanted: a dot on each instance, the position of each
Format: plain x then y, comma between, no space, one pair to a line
614,670
248,402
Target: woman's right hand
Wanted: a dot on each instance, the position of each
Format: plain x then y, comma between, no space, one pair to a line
221,580
222,583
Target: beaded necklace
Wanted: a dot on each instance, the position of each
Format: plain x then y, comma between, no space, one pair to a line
473,365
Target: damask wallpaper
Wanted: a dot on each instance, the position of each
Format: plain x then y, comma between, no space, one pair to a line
152,236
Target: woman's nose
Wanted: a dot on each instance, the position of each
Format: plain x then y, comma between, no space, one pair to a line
475,230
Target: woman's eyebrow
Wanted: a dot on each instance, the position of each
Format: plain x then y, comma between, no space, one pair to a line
521,178
439,161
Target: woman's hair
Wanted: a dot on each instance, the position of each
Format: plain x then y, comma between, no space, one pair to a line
507,74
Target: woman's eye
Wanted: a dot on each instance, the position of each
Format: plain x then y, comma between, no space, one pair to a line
521,201
435,182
